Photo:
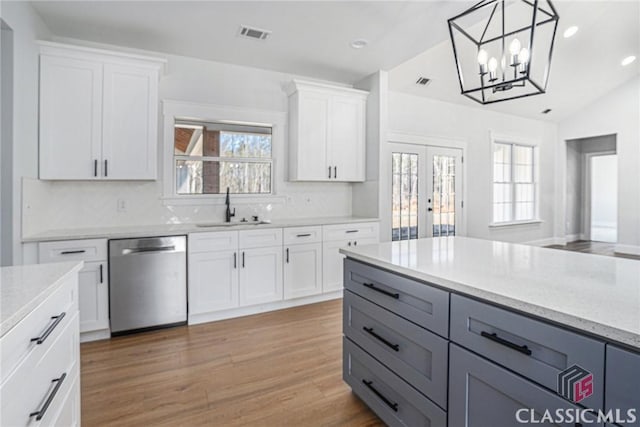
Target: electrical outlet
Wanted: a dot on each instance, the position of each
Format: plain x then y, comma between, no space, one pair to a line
122,205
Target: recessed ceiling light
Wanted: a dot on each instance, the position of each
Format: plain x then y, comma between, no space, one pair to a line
628,60
570,32
359,43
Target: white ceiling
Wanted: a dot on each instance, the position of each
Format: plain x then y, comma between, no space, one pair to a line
310,38
584,67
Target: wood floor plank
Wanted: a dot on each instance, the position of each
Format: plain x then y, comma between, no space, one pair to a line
591,247
282,368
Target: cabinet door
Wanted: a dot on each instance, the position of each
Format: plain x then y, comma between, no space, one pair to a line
346,152
302,270
332,261
93,297
213,281
70,118
313,116
130,122
260,275
483,394
622,378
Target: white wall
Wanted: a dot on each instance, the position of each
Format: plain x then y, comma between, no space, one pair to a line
64,205
6,145
616,113
437,120
27,27
604,177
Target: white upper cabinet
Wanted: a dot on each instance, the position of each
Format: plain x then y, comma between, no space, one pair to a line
98,114
326,132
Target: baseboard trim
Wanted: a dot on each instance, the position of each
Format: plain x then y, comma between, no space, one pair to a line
627,249
546,242
103,334
195,319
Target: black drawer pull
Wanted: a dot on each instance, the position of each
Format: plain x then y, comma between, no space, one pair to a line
80,251
304,235
351,231
395,347
494,337
389,403
101,274
382,291
39,414
43,337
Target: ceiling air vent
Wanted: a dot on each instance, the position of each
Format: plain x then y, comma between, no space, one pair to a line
423,81
253,33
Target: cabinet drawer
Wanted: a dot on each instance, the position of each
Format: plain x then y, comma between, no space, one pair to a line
295,235
623,377
531,348
483,394
420,303
392,399
28,387
73,250
68,411
260,238
415,354
213,241
356,231
16,346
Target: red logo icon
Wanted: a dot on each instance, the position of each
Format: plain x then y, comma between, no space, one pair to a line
575,383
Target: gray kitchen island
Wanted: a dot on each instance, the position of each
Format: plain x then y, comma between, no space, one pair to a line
466,332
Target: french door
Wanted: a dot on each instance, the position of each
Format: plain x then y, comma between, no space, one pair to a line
426,195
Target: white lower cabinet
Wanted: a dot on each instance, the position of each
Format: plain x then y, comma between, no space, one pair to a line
303,270
213,281
93,282
93,297
332,261
260,275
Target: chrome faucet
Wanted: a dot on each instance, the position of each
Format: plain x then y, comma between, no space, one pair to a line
229,214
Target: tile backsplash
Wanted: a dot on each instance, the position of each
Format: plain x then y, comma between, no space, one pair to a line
54,205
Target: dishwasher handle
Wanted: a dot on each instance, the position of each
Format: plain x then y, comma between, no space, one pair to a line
141,250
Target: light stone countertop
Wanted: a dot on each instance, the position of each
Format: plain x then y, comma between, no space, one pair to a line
176,229
595,294
23,288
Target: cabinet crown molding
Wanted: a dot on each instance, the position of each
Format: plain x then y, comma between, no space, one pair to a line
297,85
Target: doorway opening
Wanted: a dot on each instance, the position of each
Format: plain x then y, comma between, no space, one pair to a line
6,145
592,190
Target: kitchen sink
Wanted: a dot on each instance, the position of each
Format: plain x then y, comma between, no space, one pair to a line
229,224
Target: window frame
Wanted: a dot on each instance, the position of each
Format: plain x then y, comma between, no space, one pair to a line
522,142
221,159
188,111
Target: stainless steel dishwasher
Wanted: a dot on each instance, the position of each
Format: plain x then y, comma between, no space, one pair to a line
147,283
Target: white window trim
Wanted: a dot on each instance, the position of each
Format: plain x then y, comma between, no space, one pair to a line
173,110
497,138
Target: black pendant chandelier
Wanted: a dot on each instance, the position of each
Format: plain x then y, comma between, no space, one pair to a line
494,49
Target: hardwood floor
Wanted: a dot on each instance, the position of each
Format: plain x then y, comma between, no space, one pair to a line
590,247
282,368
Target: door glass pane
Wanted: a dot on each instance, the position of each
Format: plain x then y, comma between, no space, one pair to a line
444,196
404,196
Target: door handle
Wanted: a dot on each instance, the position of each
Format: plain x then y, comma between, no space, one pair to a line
95,168
429,209
101,274
335,172
235,260
329,172
106,170
141,250
287,255
242,259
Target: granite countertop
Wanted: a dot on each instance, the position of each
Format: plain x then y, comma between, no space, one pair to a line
176,229
595,294
23,288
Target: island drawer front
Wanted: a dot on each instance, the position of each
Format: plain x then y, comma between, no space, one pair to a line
16,346
213,241
354,231
413,353
418,302
72,250
298,235
260,238
412,408
482,393
26,390
534,349
623,377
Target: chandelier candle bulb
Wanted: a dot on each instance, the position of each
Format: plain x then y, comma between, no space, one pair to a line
514,50
483,57
524,60
493,66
